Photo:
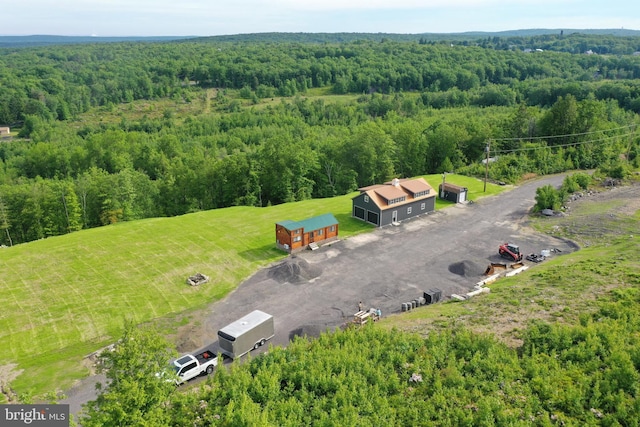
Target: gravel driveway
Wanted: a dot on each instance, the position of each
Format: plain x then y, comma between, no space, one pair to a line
313,291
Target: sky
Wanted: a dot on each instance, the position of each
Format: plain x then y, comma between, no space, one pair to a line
117,18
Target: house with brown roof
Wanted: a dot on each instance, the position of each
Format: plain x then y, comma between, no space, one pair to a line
394,201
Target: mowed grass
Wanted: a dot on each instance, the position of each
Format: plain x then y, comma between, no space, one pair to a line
65,297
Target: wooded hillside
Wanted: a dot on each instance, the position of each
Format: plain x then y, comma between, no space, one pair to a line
122,131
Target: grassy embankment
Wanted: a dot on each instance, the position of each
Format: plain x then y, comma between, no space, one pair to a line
67,296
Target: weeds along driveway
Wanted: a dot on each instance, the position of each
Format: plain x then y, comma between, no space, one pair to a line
317,290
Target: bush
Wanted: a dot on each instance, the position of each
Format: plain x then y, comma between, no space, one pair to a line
547,197
583,180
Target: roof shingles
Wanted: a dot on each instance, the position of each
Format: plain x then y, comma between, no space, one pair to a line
381,194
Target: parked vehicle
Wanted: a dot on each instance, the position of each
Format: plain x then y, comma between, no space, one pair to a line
510,251
190,366
246,334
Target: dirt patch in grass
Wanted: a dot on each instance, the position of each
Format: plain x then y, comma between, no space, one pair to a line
8,373
595,217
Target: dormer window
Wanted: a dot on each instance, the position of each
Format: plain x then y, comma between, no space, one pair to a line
397,200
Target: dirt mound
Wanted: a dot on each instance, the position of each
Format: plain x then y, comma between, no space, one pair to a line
467,268
294,270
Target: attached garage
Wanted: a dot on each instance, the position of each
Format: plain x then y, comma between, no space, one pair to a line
372,217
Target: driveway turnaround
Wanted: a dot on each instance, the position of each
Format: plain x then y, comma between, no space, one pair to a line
314,291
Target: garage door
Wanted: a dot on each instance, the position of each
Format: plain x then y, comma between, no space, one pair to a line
372,217
358,212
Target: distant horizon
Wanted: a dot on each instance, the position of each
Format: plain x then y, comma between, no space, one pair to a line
323,32
199,18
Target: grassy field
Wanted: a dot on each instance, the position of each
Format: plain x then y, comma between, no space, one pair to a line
557,290
67,296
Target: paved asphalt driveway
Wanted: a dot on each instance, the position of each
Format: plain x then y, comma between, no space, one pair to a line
318,290
448,249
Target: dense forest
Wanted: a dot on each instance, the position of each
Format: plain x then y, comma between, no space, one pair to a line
573,375
258,123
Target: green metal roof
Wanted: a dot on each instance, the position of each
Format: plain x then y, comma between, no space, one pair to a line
310,224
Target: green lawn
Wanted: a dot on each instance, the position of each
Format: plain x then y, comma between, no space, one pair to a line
67,296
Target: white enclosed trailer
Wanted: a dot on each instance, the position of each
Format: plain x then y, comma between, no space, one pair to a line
246,334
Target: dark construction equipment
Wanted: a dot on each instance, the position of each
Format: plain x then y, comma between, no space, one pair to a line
510,251
432,296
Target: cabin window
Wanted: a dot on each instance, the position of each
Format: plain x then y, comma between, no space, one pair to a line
333,228
297,238
423,206
409,210
366,198
319,232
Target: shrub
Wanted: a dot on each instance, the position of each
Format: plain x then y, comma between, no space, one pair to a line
547,197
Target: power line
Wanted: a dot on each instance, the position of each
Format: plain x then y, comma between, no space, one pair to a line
571,144
532,138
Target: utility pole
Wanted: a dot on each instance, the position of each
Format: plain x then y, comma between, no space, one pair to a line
486,166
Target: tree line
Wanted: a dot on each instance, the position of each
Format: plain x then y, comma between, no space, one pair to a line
239,148
60,82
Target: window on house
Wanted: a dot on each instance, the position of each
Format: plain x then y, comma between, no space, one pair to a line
319,232
423,206
297,238
333,228
397,200
366,199
409,210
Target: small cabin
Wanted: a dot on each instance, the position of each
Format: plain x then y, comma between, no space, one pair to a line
453,193
293,236
5,131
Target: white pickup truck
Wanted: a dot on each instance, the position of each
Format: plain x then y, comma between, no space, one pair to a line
190,366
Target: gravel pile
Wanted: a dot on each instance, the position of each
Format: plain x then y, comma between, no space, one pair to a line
294,270
467,268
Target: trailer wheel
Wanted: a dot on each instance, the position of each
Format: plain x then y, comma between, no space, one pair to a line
209,369
256,345
262,341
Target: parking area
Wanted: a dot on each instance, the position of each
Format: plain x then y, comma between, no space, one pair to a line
449,250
